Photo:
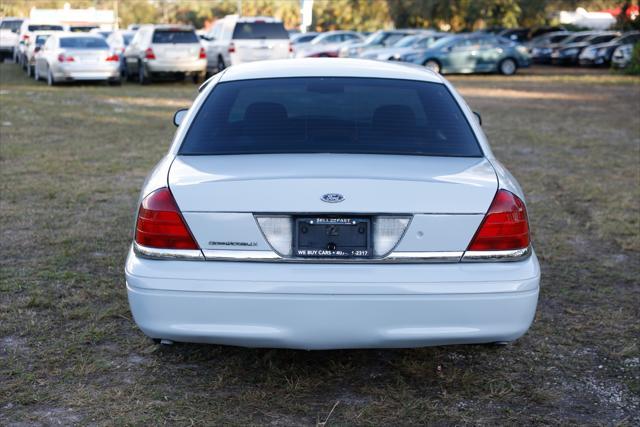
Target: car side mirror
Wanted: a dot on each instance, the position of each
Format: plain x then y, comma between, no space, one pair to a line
478,117
179,116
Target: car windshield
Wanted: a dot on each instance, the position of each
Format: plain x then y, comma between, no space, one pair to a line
331,115
44,28
10,25
406,41
259,30
83,43
576,38
174,36
445,41
304,38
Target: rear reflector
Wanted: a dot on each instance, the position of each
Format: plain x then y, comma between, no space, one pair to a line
160,223
505,227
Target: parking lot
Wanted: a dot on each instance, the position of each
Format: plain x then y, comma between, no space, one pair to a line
73,158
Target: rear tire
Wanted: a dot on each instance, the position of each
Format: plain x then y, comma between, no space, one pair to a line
433,65
143,79
507,67
221,65
199,77
51,81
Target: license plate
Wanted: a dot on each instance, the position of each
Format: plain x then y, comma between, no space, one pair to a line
332,237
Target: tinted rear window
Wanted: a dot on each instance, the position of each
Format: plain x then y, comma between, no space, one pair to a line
330,115
83,43
44,28
260,30
10,25
174,36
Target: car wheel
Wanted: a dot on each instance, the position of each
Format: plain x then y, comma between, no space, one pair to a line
507,67
433,65
51,81
198,77
221,65
143,79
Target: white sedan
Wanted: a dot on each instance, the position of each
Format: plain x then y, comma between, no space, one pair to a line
331,203
66,57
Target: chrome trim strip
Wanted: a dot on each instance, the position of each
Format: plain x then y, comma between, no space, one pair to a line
179,254
484,256
272,256
224,255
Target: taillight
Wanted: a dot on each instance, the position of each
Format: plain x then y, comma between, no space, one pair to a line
505,227
232,47
65,58
290,47
160,223
148,54
25,37
113,58
203,54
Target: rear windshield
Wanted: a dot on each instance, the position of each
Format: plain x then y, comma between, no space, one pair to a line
44,28
83,43
330,115
10,25
174,36
260,30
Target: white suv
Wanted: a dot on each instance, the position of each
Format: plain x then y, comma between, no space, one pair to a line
8,36
235,40
26,37
165,49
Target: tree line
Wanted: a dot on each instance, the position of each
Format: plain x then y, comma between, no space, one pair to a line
360,15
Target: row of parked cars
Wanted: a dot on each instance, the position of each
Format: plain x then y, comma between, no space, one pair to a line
58,53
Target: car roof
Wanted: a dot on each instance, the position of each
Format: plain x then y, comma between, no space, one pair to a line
265,19
169,27
328,67
70,35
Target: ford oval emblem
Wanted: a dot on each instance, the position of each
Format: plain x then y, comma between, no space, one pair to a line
332,198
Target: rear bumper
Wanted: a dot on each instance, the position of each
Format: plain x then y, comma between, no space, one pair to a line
88,72
332,306
181,66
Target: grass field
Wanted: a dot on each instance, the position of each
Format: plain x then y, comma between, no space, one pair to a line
73,158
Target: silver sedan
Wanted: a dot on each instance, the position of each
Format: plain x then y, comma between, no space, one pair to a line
69,57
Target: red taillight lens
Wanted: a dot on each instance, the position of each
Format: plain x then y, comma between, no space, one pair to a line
203,54
113,58
505,227
160,224
232,48
290,47
65,58
25,37
148,54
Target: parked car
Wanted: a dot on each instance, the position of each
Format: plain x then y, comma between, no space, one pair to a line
235,40
541,53
161,50
600,54
539,31
569,53
338,252
9,28
301,40
67,57
379,39
328,44
118,41
621,57
405,46
472,53
25,34
540,48
38,40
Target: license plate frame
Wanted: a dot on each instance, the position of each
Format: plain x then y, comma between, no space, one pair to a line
351,237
